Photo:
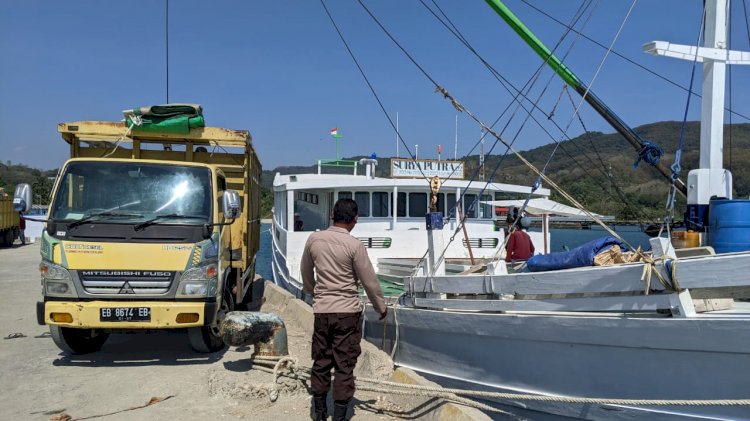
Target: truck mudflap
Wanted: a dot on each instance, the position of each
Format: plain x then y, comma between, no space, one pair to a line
126,314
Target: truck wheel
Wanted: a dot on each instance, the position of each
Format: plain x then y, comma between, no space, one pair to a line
78,341
5,238
206,339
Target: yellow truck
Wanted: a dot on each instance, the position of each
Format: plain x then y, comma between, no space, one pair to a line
9,220
148,230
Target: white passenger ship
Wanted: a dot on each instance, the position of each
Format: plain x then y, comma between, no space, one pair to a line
396,241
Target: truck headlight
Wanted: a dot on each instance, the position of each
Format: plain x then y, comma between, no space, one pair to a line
52,271
56,280
198,282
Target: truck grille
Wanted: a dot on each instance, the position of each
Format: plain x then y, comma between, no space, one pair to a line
131,282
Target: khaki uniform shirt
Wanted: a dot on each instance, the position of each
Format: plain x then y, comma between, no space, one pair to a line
341,264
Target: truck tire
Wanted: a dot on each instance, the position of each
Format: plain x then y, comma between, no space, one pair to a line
206,339
78,341
5,238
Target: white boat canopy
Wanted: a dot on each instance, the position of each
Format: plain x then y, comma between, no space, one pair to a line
543,207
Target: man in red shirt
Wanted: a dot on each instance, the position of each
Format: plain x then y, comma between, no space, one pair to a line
519,246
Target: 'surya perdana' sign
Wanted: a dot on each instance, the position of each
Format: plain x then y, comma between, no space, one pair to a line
410,168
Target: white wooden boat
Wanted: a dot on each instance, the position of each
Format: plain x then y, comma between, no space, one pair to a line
395,241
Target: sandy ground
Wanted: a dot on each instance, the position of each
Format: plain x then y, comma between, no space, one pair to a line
38,381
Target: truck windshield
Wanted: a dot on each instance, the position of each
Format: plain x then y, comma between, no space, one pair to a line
134,192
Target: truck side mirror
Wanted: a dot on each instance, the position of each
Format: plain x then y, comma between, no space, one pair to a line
22,198
231,204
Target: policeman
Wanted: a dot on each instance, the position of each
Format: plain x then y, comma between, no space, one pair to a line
341,265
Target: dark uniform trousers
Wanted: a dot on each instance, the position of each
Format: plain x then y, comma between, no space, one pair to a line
335,344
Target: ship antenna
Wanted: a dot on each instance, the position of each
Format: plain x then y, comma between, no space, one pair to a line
166,41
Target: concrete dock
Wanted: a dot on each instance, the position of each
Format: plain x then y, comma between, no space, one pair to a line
39,382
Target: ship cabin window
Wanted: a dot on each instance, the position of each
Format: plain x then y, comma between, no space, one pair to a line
401,204
363,203
280,208
450,201
486,208
470,205
417,204
345,195
381,204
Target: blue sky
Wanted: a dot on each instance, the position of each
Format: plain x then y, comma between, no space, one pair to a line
279,70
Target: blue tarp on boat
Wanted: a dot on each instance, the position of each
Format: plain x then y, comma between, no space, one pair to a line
580,256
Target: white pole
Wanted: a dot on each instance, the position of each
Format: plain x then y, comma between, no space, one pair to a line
455,145
416,152
396,134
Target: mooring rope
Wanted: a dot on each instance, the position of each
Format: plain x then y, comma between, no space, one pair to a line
459,395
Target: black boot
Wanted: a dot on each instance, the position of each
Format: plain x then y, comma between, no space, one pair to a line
319,410
339,410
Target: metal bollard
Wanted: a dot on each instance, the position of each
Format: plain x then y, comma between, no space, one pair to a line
265,331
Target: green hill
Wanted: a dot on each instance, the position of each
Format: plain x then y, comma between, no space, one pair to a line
40,180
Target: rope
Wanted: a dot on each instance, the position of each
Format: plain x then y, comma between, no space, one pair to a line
631,61
562,399
458,395
676,167
136,120
651,153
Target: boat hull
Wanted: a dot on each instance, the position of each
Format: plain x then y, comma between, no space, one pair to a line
587,356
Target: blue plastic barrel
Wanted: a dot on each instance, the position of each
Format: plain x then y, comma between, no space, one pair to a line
729,225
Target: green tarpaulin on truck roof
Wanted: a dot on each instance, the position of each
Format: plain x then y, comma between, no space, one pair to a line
168,118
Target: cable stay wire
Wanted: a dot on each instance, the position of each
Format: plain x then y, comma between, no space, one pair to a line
454,30
372,89
537,183
567,127
633,62
456,104
675,167
505,83
526,87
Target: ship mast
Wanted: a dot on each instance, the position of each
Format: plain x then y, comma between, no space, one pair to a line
710,179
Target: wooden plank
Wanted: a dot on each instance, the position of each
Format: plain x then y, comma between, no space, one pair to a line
229,161
618,304
110,130
719,271
607,279
719,276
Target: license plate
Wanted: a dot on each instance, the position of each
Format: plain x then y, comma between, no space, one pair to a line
125,314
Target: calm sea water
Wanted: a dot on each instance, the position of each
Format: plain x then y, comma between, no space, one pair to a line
560,238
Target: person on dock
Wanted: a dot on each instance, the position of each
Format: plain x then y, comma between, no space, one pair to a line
22,228
519,247
341,264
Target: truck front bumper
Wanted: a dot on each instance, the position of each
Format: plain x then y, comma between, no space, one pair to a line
163,314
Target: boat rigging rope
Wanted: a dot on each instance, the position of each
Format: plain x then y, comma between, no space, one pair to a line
135,120
647,259
294,370
676,168
576,113
519,92
633,62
